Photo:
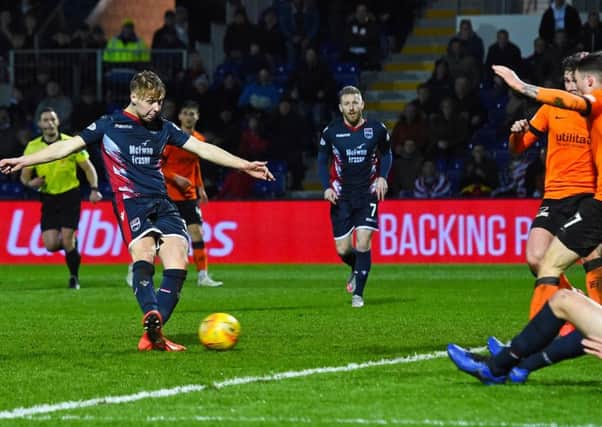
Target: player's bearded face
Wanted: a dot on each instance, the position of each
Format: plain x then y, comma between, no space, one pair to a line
352,107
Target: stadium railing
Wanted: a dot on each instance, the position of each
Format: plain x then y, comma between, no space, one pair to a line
75,69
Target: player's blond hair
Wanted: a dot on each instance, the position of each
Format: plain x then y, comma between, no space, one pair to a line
349,90
147,84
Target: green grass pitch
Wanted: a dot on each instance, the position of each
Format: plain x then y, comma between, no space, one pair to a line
305,357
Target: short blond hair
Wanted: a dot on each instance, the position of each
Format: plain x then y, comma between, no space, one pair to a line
147,84
349,90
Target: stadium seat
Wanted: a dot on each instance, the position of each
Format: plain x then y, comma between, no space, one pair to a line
276,188
281,74
346,73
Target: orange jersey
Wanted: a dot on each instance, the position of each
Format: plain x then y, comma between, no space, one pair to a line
177,161
595,122
570,167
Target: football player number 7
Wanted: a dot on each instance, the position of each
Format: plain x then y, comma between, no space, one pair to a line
372,209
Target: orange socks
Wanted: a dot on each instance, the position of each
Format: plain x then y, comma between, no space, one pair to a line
593,279
200,258
545,287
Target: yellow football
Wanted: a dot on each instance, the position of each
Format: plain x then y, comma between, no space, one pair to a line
219,331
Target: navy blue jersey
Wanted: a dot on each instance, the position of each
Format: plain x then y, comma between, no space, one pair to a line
354,151
131,151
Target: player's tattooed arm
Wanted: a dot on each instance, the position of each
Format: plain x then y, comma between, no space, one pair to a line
529,90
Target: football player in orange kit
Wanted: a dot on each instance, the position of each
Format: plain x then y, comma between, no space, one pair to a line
185,188
570,177
184,182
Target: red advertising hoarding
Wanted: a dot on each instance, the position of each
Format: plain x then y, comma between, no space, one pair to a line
411,231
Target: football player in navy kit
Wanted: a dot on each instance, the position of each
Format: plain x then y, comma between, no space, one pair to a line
132,142
354,182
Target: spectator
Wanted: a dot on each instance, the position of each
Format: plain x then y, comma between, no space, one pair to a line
559,50
206,102
236,186
183,29
411,126
560,16
468,103
315,87
289,136
461,64
60,39
362,39
166,37
407,164
227,93
184,79
431,184
535,176
513,178
239,36
253,60
448,132
591,33
424,101
9,144
252,143
262,95
86,38
270,38
480,175
299,23
440,82
539,66
503,52
86,110
60,103
126,46
473,44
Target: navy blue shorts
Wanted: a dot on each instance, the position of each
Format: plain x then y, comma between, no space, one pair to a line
148,216
346,216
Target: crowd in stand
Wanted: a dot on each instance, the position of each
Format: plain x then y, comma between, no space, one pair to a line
451,141
277,86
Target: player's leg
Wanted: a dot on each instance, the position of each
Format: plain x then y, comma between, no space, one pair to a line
556,260
592,265
72,256
342,230
363,263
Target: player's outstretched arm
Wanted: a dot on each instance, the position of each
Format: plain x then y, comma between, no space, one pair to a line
555,97
221,157
48,154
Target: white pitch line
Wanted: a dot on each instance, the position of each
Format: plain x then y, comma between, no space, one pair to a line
305,420
191,388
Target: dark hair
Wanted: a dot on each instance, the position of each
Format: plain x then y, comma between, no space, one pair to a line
46,110
349,90
190,105
591,63
569,64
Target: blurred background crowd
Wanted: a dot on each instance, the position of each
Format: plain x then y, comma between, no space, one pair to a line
275,86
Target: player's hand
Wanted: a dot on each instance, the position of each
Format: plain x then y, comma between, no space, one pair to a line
593,346
183,183
36,182
202,195
12,164
508,75
331,196
381,188
258,170
520,126
95,196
